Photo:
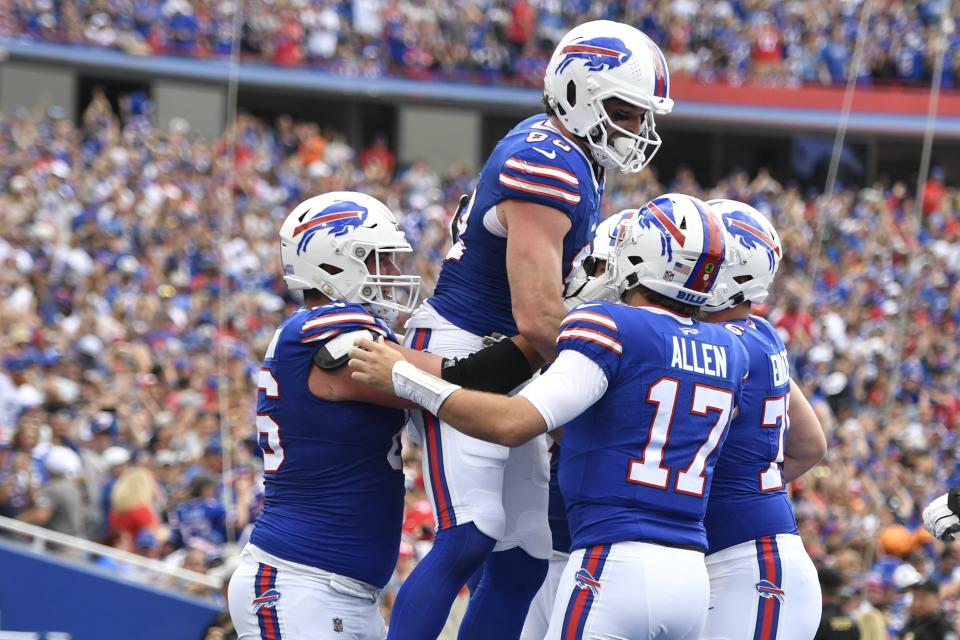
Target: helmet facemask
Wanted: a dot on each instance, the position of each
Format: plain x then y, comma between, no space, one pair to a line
386,290
614,147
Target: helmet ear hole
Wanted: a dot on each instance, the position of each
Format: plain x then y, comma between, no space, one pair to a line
742,279
635,260
329,268
572,93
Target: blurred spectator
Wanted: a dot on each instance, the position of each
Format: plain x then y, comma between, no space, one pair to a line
377,159
200,522
58,504
934,193
507,41
927,620
133,509
835,623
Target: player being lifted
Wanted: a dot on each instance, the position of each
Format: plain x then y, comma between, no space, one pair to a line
526,226
762,582
329,535
645,393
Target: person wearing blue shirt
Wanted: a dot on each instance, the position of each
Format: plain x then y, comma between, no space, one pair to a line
763,584
328,537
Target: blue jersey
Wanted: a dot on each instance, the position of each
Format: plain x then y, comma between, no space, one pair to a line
201,518
637,464
535,163
557,508
748,480
332,472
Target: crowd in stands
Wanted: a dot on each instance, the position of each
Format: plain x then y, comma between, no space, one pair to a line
510,41
140,286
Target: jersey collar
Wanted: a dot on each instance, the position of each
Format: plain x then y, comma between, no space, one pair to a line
663,311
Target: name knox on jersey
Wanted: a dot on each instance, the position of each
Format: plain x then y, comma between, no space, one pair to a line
699,357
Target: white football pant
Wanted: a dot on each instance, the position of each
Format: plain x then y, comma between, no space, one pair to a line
503,491
764,589
631,591
272,599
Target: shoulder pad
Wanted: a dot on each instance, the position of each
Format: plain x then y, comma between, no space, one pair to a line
336,351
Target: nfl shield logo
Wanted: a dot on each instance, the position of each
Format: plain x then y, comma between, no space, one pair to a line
338,625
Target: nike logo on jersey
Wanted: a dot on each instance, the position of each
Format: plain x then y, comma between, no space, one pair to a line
550,154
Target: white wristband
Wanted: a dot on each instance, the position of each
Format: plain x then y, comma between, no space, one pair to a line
420,387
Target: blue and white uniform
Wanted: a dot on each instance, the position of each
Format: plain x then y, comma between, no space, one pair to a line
502,491
533,163
660,390
763,584
329,535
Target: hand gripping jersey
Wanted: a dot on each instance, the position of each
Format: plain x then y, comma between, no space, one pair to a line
748,480
637,465
533,163
332,470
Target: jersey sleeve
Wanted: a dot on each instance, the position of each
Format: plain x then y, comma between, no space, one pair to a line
592,331
542,174
327,322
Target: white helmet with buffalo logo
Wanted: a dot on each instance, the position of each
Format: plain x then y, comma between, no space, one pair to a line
673,245
756,254
600,60
344,244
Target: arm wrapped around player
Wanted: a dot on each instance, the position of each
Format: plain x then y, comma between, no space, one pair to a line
501,366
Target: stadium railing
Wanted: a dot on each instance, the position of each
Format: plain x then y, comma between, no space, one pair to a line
40,538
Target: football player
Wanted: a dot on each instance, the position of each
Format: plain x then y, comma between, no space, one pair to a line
519,237
645,393
328,537
942,516
587,284
762,582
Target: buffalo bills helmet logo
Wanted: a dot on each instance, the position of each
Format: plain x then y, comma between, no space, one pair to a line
599,54
659,213
586,581
267,599
768,590
337,220
745,229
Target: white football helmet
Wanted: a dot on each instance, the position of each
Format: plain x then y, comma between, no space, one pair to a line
600,60
326,243
673,245
586,284
755,255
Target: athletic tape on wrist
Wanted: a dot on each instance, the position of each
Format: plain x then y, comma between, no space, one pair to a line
420,387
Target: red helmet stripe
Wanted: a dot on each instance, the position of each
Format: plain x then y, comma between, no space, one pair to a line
330,217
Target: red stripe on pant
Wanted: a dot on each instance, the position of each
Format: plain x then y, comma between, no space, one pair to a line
573,622
431,426
269,615
770,563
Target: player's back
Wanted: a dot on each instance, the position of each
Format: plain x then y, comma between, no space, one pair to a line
534,163
748,480
637,464
332,471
